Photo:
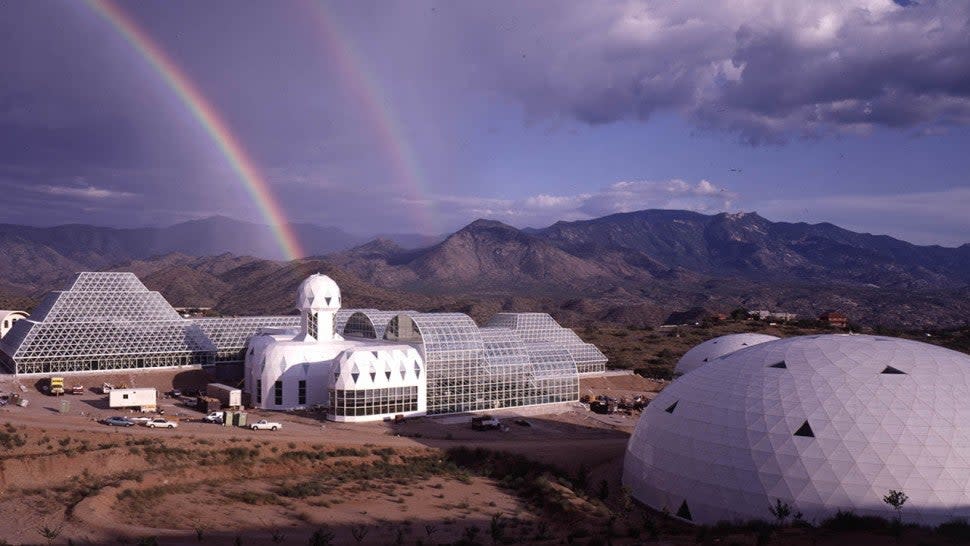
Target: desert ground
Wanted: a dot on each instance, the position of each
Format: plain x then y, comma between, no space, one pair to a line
550,476
66,476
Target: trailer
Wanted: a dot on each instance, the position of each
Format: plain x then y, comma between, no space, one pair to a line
145,399
230,397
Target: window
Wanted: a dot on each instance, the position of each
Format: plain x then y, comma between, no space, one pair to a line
278,393
5,324
301,392
373,401
805,430
259,391
311,324
124,396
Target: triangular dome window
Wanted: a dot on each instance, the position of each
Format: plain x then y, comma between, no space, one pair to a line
355,373
672,407
805,430
705,360
891,370
327,300
373,373
404,371
417,370
684,512
387,371
780,365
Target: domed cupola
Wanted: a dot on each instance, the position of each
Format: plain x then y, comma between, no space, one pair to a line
318,300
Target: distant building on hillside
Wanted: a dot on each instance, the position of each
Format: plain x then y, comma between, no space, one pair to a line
7,318
780,316
834,318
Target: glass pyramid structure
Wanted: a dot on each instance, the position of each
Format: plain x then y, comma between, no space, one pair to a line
110,321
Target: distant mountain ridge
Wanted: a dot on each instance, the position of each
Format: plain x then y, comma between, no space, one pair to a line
633,267
37,254
637,247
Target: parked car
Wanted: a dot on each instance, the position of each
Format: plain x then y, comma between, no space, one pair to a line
217,417
118,421
161,422
174,393
77,389
486,422
263,424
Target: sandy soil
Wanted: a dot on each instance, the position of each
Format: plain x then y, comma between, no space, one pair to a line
378,482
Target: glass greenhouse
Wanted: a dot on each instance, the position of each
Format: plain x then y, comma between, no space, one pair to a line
110,321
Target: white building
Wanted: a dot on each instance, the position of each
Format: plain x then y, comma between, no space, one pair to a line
7,318
715,348
359,380
823,423
365,364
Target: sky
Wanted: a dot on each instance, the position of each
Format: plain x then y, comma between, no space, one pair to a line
421,116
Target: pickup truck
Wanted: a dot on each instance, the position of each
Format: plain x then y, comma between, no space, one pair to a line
265,425
217,417
160,422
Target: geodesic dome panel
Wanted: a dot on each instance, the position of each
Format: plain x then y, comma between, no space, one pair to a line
715,348
824,423
318,292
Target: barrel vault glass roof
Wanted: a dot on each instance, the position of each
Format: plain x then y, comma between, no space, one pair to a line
542,328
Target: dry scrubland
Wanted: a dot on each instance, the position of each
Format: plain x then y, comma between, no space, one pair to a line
154,487
64,478
654,353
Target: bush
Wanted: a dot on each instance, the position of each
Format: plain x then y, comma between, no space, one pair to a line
850,521
957,530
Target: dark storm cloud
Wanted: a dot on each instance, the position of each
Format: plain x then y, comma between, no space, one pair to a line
766,70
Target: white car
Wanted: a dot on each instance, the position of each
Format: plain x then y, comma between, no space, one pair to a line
160,422
265,425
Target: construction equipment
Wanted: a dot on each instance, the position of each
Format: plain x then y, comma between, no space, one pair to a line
56,387
603,404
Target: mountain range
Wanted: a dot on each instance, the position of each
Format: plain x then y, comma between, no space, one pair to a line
634,268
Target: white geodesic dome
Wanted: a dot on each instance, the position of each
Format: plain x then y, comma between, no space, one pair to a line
711,349
824,423
318,292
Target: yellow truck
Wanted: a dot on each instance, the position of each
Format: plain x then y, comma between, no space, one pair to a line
56,386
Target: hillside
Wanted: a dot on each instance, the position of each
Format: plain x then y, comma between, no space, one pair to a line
634,268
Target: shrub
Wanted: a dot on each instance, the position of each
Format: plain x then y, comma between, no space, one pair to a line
957,530
850,521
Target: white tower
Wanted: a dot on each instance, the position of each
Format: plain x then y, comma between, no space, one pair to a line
318,300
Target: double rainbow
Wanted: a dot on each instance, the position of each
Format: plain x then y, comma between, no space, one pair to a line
210,120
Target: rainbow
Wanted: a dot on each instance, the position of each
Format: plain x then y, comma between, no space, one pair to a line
365,86
210,120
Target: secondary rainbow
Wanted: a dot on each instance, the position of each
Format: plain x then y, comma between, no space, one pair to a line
209,118
365,86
